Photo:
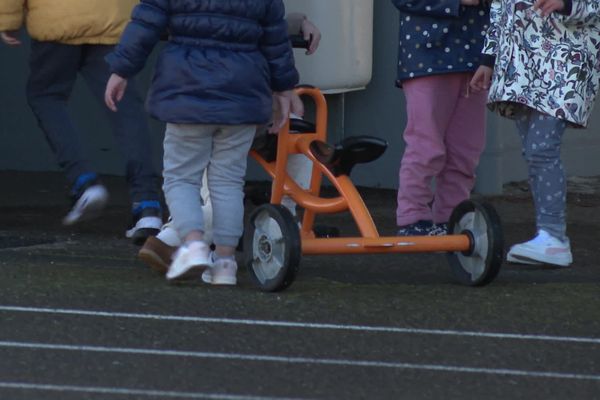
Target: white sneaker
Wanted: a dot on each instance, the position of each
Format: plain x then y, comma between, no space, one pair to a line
223,272
169,235
515,260
206,276
542,249
189,261
147,223
88,206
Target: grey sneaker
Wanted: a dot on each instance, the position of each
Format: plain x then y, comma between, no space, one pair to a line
223,272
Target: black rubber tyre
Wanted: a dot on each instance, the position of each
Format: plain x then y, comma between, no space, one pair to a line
272,247
481,264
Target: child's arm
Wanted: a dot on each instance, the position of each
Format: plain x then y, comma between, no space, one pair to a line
283,104
482,77
12,13
114,92
576,11
547,7
149,20
428,8
299,23
276,48
10,38
492,36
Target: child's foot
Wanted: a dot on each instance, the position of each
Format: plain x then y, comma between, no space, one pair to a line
419,228
157,254
516,260
89,199
223,272
439,229
542,249
147,220
189,261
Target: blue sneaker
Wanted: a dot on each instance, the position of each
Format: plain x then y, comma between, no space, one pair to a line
147,221
419,228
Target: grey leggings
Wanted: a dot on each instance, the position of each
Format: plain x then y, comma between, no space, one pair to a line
541,135
223,152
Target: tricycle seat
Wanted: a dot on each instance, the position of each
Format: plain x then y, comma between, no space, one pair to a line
341,158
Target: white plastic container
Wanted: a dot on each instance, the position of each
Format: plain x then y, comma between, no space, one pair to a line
344,60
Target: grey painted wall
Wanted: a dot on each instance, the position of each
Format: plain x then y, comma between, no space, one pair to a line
378,110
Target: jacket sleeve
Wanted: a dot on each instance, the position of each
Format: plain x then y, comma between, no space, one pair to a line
12,13
586,12
492,37
428,8
148,22
277,49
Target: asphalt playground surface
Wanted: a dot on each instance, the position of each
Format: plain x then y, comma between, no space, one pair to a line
82,318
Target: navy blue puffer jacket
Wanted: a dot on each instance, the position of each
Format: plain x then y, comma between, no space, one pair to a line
223,60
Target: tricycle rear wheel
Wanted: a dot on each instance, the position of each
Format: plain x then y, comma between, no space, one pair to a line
481,263
272,247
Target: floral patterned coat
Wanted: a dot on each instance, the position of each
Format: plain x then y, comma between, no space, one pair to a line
550,64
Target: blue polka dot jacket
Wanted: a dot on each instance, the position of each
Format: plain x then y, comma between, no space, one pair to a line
440,37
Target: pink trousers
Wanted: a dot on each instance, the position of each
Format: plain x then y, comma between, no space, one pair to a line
444,136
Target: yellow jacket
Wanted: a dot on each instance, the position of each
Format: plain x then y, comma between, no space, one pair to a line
68,21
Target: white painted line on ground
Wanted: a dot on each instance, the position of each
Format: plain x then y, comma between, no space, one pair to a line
305,325
299,360
131,392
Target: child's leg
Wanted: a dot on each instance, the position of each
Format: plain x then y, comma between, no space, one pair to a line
299,168
465,140
187,150
226,174
430,104
53,71
129,125
541,135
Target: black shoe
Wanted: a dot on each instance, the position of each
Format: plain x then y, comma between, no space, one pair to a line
147,221
324,231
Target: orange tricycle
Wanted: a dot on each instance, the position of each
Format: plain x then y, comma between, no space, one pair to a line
274,242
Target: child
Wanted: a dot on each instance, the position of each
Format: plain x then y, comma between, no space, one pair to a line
158,250
544,57
440,45
213,85
71,38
